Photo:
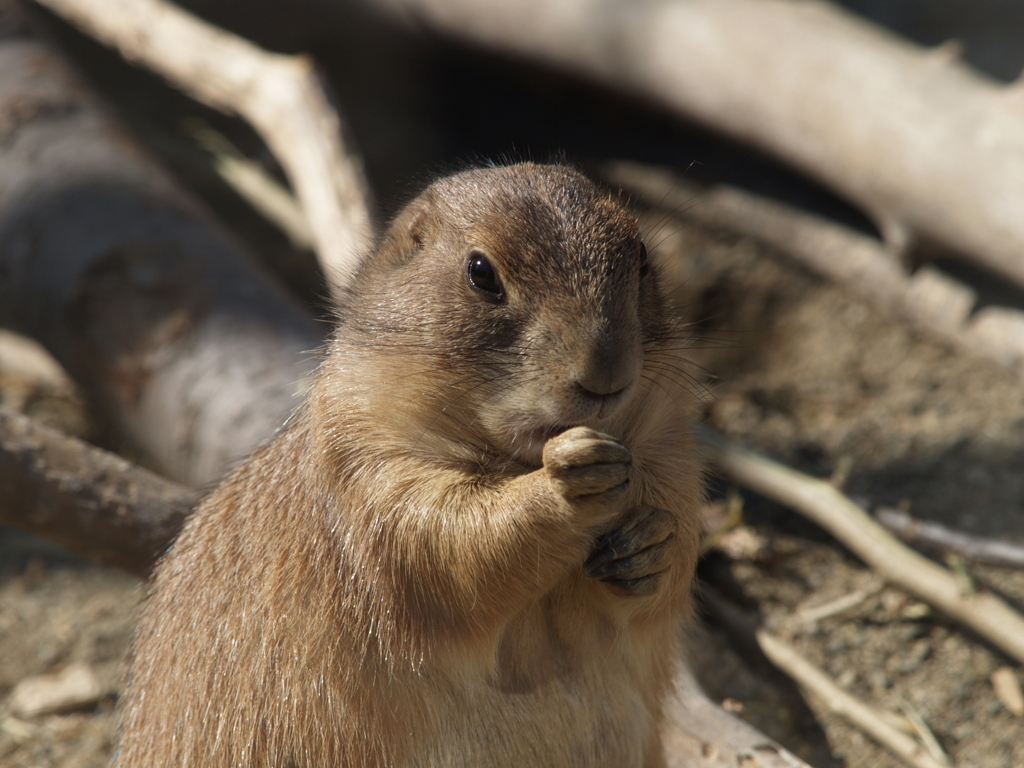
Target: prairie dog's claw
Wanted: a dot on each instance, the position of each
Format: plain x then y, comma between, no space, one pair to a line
588,468
630,559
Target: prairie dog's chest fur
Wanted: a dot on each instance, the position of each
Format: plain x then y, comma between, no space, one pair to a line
473,543
599,712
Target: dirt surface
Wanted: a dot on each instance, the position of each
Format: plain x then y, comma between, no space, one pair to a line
51,616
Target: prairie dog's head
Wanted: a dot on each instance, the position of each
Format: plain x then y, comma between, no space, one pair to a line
503,306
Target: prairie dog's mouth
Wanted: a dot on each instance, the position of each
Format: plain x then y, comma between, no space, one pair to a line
527,443
543,434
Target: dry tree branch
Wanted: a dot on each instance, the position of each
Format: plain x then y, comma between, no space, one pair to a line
811,678
813,614
929,534
924,732
821,502
919,141
281,96
89,501
928,300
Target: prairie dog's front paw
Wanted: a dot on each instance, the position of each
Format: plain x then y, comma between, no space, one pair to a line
588,468
631,558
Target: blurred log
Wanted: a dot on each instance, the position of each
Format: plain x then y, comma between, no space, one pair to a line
281,96
88,501
183,342
920,142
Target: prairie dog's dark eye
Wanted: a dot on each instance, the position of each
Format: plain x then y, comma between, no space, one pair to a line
645,265
482,275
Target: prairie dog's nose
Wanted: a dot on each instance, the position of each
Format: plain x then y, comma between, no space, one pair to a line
610,369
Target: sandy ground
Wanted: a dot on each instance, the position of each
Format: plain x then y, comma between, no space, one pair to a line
793,367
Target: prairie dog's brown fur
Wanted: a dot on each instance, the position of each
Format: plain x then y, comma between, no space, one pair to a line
439,561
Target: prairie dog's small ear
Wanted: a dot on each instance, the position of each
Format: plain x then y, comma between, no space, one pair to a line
413,227
407,233
417,227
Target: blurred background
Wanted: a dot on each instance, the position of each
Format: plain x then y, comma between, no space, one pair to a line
790,363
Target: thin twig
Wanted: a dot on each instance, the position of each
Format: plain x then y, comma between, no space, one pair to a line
808,676
821,502
1007,690
925,533
924,732
842,604
281,96
263,192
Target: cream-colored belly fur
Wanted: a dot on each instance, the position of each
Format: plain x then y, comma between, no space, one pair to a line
552,695
616,733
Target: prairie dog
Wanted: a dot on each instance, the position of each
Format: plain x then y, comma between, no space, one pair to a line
473,544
